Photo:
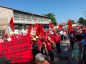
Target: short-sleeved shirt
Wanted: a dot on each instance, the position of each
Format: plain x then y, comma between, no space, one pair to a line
83,42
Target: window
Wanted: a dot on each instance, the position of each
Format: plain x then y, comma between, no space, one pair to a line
2,32
22,17
41,19
18,27
34,18
16,16
28,17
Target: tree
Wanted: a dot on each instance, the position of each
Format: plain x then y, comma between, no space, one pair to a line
52,17
73,22
82,21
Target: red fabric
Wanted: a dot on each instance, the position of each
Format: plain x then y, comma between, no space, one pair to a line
69,22
66,31
40,31
51,25
70,27
52,37
39,44
17,50
60,26
36,29
12,24
29,29
84,30
48,44
57,38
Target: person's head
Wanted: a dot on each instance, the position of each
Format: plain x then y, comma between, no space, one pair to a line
39,57
78,37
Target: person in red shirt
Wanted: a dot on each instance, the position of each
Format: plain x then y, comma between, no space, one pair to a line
50,48
57,41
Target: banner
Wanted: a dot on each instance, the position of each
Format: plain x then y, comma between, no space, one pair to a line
18,50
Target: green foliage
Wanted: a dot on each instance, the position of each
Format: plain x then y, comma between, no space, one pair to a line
73,22
82,21
52,17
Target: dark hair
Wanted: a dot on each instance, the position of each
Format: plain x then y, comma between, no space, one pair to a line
78,37
42,39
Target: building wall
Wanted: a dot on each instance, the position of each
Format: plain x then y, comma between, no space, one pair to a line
24,18
5,16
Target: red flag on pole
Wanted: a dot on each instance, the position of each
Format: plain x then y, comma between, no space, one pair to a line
29,29
12,24
70,27
60,26
69,23
41,31
51,25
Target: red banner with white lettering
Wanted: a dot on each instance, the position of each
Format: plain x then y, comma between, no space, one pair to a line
18,50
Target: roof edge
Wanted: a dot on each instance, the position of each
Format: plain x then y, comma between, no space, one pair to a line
25,12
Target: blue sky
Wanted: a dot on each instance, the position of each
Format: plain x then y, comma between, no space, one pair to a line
62,9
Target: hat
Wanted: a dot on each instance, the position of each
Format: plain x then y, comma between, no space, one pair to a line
39,57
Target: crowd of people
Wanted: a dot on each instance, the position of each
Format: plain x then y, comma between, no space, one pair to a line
44,42
78,45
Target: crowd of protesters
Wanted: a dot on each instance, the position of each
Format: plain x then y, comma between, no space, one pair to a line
78,45
44,42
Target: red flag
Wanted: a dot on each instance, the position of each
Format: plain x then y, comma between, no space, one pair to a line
12,24
29,29
69,23
36,26
51,25
60,26
41,30
70,27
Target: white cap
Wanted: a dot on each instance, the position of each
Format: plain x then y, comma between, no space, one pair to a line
39,57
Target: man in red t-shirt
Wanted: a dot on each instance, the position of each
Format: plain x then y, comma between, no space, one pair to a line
57,41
